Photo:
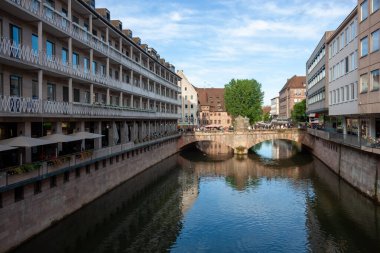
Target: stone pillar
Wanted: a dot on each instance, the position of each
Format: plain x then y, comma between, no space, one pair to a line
132,80
92,94
70,49
141,104
98,130
140,82
108,67
107,35
40,40
120,44
121,99
82,129
91,60
108,97
24,129
90,23
110,133
140,58
123,132
58,130
131,51
40,82
121,73
344,125
131,101
70,82
68,9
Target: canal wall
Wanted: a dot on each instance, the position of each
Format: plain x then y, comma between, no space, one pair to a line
40,207
358,167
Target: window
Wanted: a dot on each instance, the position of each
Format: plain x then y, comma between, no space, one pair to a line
185,88
347,92
191,106
186,106
375,5
75,20
364,46
103,70
49,50
94,67
15,86
64,56
65,94
346,65
352,91
15,33
375,41
76,95
342,41
34,89
375,80
363,83
191,97
342,93
347,35
364,10
353,30
86,64
75,60
50,92
338,95
34,44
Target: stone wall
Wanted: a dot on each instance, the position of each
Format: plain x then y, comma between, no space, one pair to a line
20,220
357,167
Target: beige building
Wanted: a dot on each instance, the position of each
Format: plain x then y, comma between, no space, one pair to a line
189,103
275,107
369,67
66,67
212,108
292,93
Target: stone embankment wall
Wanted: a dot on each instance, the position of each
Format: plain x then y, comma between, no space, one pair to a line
357,167
36,211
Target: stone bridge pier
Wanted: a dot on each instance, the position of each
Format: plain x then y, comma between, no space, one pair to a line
241,142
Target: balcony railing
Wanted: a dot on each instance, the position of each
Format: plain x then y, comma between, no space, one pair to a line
62,23
40,58
21,105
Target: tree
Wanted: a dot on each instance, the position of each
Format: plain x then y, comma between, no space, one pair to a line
299,111
244,97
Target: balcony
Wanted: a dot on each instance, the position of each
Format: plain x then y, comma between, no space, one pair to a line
19,106
24,54
62,23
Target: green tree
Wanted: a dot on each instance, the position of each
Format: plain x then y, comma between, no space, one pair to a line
266,116
245,98
299,112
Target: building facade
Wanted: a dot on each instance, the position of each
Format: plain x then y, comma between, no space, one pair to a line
274,107
369,67
316,70
212,107
343,74
189,103
66,67
293,92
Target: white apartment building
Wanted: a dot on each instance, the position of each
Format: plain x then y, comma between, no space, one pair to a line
189,103
343,72
274,107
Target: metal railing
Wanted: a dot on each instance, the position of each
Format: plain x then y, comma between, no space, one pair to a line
17,51
17,174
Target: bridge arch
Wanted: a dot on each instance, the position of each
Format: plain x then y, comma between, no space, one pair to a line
241,141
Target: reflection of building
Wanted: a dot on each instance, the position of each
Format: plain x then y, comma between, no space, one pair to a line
214,148
317,90
282,149
189,102
212,108
343,74
275,107
292,93
190,187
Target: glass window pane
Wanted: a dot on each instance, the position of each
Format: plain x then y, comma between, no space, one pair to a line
375,39
15,86
364,10
49,50
35,43
363,83
364,46
64,56
375,80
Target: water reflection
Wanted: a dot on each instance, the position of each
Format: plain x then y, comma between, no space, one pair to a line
191,203
276,149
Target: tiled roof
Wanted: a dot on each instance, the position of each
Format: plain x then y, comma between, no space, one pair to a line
212,97
295,82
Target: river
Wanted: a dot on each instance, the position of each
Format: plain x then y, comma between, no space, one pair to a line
278,199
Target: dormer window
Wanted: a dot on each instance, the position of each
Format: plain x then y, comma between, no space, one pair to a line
108,17
120,26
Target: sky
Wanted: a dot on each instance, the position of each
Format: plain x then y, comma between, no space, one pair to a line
214,41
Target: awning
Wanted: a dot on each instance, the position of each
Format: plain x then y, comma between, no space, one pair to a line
6,147
86,135
26,142
211,126
60,138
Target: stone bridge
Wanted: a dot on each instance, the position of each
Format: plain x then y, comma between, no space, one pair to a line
241,142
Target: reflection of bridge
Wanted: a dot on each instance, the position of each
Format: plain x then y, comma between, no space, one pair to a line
242,141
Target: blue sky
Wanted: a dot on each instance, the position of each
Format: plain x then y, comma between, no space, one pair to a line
214,41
